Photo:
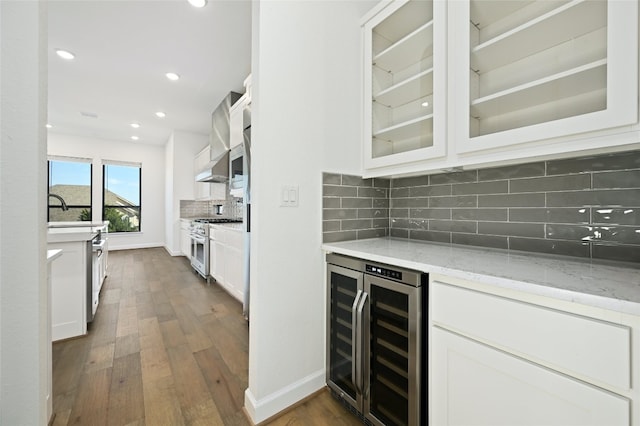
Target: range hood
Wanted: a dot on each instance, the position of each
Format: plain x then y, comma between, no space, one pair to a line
215,171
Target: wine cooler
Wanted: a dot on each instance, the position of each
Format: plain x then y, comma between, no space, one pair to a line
376,340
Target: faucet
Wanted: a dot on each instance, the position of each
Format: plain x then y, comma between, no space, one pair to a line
64,205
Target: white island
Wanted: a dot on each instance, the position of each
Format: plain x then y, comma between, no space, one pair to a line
73,301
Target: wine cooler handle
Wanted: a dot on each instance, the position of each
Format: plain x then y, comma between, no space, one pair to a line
359,376
355,347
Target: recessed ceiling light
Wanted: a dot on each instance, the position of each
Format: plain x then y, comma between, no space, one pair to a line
172,76
48,126
198,3
160,114
425,104
135,125
135,138
65,54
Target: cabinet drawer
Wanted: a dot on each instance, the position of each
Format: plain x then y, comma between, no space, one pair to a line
218,234
234,239
558,339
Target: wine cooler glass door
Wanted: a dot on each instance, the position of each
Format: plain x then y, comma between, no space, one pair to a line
392,353
344,286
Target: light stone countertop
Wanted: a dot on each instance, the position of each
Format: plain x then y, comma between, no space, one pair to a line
76,233
609,285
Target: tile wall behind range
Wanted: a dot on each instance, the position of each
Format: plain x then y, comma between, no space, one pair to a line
584,207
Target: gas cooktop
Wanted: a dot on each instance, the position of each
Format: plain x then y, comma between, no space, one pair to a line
217,220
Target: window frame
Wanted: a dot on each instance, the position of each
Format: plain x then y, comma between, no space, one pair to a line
70,206
106,163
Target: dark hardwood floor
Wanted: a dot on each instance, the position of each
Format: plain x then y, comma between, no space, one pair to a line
164,348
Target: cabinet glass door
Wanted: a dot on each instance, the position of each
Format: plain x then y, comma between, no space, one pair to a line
536,69
343,287
403,98
393,352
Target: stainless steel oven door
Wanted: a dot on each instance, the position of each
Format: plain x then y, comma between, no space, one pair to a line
200,254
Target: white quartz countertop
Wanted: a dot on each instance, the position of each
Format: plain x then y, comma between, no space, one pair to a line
609,285
58,232
77,233
76,224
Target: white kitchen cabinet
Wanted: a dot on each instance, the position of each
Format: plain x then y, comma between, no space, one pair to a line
69,289
479,385
404,82
207,190
505,81
217,262
225,258
499,356
185,238
236,122
532,70
233,256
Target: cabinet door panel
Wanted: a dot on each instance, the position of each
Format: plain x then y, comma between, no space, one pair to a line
477,385
530,71
404,83
565,341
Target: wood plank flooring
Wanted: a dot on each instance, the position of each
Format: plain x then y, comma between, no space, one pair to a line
164,348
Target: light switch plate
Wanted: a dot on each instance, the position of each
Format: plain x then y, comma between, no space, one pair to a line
289,196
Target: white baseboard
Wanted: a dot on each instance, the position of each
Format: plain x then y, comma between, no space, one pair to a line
270,405
173,253
133,246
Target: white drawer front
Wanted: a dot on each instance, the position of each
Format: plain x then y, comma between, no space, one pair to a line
235,239
219,234
586,346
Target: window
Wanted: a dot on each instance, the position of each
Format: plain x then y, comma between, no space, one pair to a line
121,196
69,180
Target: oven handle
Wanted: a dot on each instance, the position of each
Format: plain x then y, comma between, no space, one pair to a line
198,239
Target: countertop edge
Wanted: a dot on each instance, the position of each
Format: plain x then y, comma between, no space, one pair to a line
554,290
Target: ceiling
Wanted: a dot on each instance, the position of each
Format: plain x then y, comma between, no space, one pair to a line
123,50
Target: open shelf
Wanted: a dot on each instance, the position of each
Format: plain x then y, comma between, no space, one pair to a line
583,79
490,11
404,130
412,88
563,23
408,50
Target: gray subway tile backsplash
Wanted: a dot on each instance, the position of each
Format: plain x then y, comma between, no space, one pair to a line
550,215
615,215
582,207
512,172
551,183
512,200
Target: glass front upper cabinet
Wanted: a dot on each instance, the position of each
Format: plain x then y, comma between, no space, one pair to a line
404,82
529,70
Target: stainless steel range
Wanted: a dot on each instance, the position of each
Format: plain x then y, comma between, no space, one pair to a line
199,232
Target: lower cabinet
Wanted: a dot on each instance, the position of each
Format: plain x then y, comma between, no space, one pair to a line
509,358
69,289
225,259
185,238
478,384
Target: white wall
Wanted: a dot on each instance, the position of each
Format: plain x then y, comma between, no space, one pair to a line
153,182
305,119
180,151
23,291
